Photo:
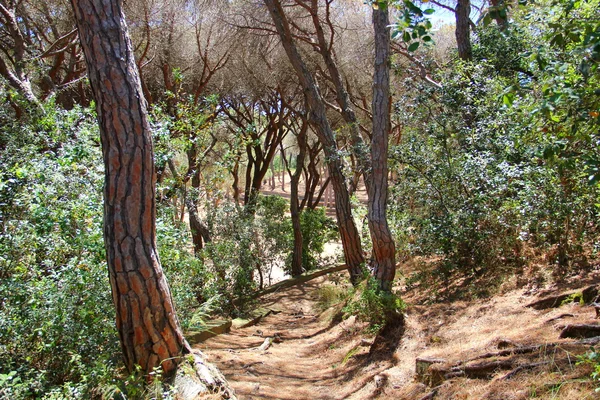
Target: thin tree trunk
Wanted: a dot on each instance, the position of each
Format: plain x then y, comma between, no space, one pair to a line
463,29
235,185
359,149
282,175
295,203
147,324
349,234
272,180
384,251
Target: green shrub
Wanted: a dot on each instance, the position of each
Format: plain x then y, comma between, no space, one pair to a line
57,329
317,229
592,357
373,305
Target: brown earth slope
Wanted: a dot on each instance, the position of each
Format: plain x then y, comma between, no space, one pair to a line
315,356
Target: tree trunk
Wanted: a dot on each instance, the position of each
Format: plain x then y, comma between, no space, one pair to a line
463,29
235,184
384,251
200,232
282,175
359,149
349,234
146,321
272,180
295,203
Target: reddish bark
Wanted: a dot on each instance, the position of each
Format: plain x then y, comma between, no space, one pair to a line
384,250
148,328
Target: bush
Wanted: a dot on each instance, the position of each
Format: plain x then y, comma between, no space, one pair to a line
317,229
56,316
57,325
373,305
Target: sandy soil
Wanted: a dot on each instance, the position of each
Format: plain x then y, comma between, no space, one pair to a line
316,359
320,359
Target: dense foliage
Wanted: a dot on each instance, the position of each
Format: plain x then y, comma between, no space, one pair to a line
497,166
501,160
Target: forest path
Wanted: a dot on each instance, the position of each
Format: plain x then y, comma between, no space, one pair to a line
320,357
316,359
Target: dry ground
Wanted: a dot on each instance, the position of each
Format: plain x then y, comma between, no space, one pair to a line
318,358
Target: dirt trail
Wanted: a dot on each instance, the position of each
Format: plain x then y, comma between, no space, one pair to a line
316,359
322,358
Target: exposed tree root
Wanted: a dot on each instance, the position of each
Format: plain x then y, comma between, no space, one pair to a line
197,379
435,371
580,331
587,295
523,367
561,316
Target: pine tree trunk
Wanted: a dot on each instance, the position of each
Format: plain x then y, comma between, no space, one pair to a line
146,321
463,29
349,234
359,149
384,251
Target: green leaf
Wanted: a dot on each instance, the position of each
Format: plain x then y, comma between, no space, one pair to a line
406,36
414,46
428,11
487,19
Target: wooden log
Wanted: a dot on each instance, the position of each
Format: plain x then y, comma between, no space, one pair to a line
210,329
308,276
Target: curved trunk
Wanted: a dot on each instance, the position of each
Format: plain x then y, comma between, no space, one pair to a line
146,321
318,117
200,232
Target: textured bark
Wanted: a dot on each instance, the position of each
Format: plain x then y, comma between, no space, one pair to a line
384,251
359,149
148,328
463,29
200,232
348,232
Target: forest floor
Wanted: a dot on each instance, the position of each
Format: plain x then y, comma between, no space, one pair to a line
482,335
317,356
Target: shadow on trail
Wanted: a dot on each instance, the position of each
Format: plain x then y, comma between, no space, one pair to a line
316,358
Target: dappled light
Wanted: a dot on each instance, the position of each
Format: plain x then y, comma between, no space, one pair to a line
299,199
